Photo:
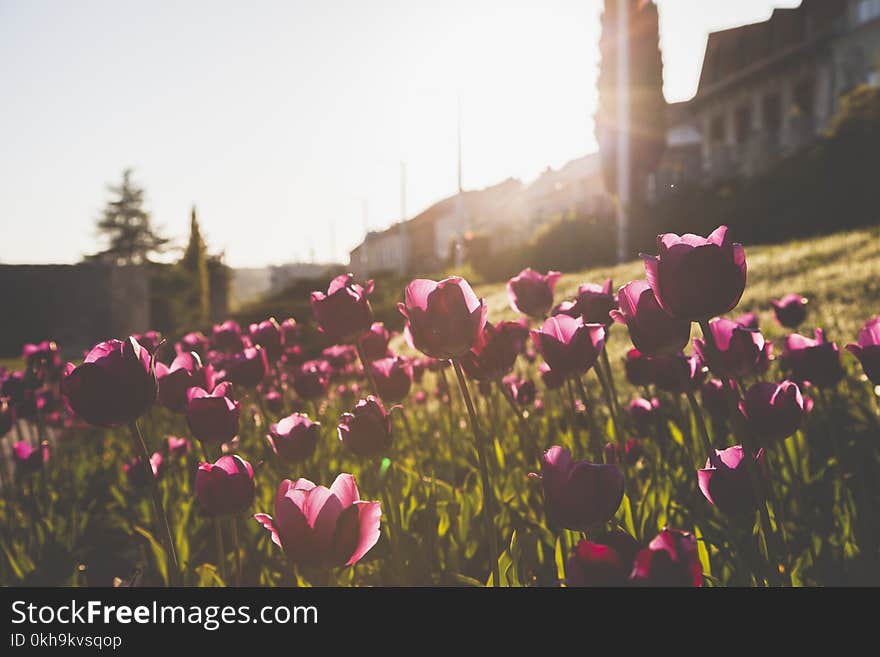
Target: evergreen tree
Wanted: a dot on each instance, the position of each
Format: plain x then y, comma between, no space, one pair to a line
126,225
195,263
647,111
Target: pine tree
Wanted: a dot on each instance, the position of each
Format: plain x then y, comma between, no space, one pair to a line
126,225
195,263
647,105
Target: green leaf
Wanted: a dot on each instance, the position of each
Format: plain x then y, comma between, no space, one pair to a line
560,561
208,576
158,553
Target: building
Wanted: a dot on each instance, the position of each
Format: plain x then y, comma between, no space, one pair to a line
767,89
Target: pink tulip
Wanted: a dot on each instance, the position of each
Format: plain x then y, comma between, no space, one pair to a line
367,430
670,559
212,417
185,372
790,310
531,293
311,379
248,367
393,377
603,564
652,330
774,412
867,349
814,360
294,437
344,313
225,487
495,352
725,481
740,351
317,526
268,335
569,346
227,336
29,458
375,342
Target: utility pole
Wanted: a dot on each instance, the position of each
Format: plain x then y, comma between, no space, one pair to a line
623,126
459,200
404,246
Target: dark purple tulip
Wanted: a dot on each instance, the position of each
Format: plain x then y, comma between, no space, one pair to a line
578,495
531,293
644,414
138,476
212,417
344,313
695,278
678,373
274,401
651,329
149,340
114,385
639,368
594,303
551,378
226,486
186,372
311,379
375,341
29,458
603,564
7,416
294,437
749,320
725,481
670,559
339,356
816,360
714,398
445,318
291,330
247,368
867,349
569,346
774,412
522,390
178,446
740,350
195,341
393,377
790,310
268,335
366,431
495,352
227,336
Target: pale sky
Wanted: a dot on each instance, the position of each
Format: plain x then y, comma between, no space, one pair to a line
278,118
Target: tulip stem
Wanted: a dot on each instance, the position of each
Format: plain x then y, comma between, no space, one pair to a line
161,518
488,495
576,440
701,426
367,370
612,407
392,527
235,546
525,432
592,426
221,550
610,376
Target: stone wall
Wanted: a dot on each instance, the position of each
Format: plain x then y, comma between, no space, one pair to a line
75,305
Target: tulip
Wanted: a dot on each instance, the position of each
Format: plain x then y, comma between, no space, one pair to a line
644,413
569,346
814,360
227,336
274,401
7,417
523,391
344,313
185,372
725,481
670,559
695,278
651,329
595,303
678,373
867,350
375,342
212,417
790,310
294,437
321,527
740,351
114,385
291,330
367,430
248,367
393,378
578,495
311,379
602,564
195,341
774,412
531,293
268,335
748,320
226,486
339,356
28,458
639,368
445,318
137,474
44,359
178,446
149,340
495,352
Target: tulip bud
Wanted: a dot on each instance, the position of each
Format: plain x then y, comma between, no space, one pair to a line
212,417
294,437
531,293
226,486
366,431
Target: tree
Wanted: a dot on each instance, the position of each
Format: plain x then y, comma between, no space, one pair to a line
195,263
126,226
647,112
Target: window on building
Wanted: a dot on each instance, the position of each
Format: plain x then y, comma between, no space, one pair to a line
804,96
716,129
771,111
867,10
743,124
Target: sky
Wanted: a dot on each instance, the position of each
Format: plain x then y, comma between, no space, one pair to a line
283,121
